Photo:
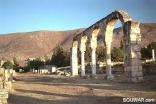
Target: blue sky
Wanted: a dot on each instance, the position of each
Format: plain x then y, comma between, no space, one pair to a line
58,15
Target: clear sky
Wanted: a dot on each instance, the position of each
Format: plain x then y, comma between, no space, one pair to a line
58,15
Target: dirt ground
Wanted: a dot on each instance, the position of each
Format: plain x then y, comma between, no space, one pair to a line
32,88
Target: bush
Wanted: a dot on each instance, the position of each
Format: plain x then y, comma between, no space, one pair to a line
7,64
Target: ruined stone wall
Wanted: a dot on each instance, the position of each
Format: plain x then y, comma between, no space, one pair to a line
6,79
105,26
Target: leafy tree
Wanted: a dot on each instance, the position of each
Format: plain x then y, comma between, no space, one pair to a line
16,65
34,64
117,54
47,60
7,64
149,49
144,53
147,52
101,53
88,54
60,57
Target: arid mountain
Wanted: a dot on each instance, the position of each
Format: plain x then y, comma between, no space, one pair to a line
32,44
40,43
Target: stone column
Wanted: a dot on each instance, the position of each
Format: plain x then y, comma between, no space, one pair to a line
74,61
153,57
108,62
6,75
82,63
94,61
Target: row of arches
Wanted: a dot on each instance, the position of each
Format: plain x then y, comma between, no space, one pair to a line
131,45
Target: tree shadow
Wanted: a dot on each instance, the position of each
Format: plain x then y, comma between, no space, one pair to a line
99,83
72,99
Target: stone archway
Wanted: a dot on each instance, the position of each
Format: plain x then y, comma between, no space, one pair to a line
131,40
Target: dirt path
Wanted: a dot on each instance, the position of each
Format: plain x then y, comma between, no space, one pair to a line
53,89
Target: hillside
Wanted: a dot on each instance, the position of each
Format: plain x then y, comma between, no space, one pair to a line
32,44
40,43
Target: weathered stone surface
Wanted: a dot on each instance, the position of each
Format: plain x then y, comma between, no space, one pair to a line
136,74
135,62
132,80
131,40
109,77
136,48
140,79
134,68
135,30
8,85
127,74
140,68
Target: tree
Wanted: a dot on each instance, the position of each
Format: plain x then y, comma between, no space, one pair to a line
88,54
34,64
101,53
16,65
149,49
60,57
147,52
7,64
47,60
117,54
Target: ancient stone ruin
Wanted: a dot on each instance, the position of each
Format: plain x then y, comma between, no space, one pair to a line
6,79
105,26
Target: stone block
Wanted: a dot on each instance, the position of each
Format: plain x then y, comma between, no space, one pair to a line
136,48
126,62
140,74
135,30
134,80
126,56
1,85
134,68
127,42
136,74
133,37
8,85
3,101
135,62
139,39
139,55
140,79
133,55
127,74
140,68
108,39
135,24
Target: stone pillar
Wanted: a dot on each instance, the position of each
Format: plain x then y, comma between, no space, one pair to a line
82,63
74,61
94,61
132,55
6,75
153,57
109,75
10,74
